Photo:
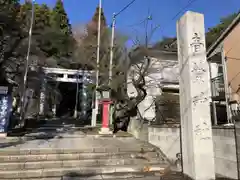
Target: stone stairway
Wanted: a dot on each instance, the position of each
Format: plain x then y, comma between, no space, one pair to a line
87,158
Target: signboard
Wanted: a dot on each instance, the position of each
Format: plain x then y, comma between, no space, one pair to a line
5,106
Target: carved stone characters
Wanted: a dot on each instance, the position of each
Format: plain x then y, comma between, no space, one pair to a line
202,130
198,70
197,43
198,65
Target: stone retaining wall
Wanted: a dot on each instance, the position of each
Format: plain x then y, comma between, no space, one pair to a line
168,140
237,133
225,152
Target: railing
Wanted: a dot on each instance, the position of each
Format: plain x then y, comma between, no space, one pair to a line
217,85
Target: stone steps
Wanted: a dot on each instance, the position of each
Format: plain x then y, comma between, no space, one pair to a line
81,158
56,163
47,151
80,171
109,176
74,163
104,177
76,156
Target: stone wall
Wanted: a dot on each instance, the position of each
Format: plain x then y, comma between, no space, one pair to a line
138,129
225,152
237,125
168,140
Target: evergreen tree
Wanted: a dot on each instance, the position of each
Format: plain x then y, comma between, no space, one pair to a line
8,14
9,33
88,51
60,19
211,36
24,15
214,32
93,25
90,41
42,17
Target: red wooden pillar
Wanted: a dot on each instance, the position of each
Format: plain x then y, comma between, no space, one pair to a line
105,116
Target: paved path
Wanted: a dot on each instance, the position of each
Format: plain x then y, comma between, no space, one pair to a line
73,143
67,138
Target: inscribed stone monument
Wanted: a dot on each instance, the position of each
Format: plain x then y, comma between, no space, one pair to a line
197,144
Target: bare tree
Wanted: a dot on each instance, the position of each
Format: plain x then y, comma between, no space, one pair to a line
139,65
85,54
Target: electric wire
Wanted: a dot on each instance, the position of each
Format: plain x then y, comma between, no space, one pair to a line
190,2
124,8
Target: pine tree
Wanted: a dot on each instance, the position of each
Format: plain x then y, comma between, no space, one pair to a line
90,41
60,19
8,13
42,17
9,27
93,25
103,19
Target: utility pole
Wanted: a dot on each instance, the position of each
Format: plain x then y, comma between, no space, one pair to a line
22,102
111,60
95,110
111,49
113,36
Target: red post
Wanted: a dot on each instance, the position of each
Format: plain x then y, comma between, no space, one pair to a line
105,117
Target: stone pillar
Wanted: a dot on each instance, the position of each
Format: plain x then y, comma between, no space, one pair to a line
196,129
42,97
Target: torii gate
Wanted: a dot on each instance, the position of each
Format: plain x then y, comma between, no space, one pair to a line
62,75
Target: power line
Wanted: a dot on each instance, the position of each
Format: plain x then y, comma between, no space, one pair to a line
190,2
138,23
236,41
123,9
232,58
236,75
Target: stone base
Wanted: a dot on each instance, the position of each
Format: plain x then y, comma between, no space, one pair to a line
3,135
105,131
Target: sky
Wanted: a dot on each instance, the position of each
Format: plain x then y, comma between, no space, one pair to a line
162,11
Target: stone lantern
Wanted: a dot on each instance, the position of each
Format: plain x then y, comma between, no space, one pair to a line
106,102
